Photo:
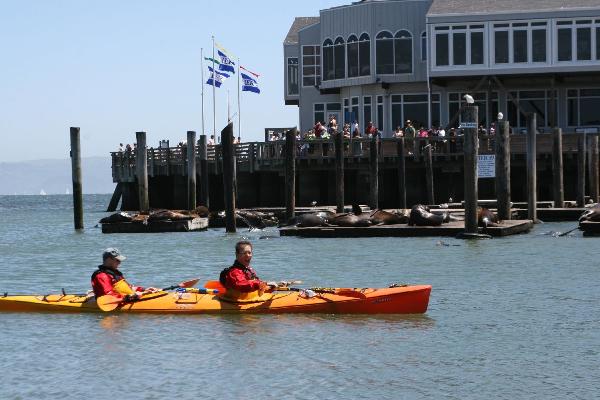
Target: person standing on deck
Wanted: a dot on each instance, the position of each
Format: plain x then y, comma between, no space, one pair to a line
240,277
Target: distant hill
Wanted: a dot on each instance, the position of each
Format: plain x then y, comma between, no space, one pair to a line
54,176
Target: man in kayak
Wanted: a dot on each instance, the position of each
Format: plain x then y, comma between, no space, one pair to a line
107,279
241,277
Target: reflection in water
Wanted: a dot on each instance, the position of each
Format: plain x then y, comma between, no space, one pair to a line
114,323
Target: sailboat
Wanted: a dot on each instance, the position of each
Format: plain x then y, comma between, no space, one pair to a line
67,191
42,192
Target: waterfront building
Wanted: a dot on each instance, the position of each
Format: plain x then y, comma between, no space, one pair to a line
388,61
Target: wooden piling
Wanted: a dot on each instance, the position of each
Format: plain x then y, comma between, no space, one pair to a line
558,190
203,156
581,170
141,166
374,172
76,178
470,118
593,168
429,174
339,172
532,167
503,170
400,146
228,179
116,196
290,173
191,169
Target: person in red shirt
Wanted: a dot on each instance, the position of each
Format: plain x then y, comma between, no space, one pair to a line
241,277
108,275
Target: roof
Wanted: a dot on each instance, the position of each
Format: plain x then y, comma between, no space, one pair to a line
461,7
299,23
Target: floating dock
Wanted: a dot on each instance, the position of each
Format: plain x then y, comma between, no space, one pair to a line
590,228
453,228
185,225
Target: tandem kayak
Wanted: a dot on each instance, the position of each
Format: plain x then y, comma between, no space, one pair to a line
395,300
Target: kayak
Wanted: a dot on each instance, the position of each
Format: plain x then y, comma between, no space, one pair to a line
395,300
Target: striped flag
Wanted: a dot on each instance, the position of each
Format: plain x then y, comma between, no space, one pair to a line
226,65
249,84
216,78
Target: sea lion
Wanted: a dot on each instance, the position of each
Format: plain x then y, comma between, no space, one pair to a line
307,220
348,219
201,211
381,217
592,215
421,216
118,217
163,215
486,217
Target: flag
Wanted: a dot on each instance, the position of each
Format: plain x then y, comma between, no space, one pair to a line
249,84
247,70
210,59
216,78
226,64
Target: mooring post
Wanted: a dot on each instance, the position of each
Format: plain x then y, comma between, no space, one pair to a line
429,173
532,167
503,170
557,169
581,170
374,172
191,169
76,175
593,169
290,173
203,156
400,149
339,172
470,118
141,167
116,196
228,181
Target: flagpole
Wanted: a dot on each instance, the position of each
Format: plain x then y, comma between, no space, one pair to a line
239,105
228,112
202,78
214,96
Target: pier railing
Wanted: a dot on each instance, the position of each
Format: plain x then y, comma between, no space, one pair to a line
257,155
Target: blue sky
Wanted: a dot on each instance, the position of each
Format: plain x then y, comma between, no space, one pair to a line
117,67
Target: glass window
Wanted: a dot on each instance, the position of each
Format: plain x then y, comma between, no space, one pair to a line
380,113
384,57
367,110
339,58
597,43
364,55
319,115
292,76
520,46
564,44
582,107
584,43
441,49
403,52
538,45
476,47
328,61
311,65
459,48
352,54
424,46
501,47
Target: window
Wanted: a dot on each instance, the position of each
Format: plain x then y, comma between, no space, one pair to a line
326,109
319,113
347,115
364,55
459,45
456,99
380,120
352,54
501,47
529,101
582,107
339,58
424,46
520,42
565,50
477,47
311,65
520,45
292,76
354,110
328,64
577,40
538,45
584,43
366,111
384,57
441,49
403,59
416,108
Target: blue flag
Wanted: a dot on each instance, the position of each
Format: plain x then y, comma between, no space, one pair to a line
216,78
249,84
226,64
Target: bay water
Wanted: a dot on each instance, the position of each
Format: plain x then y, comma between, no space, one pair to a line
509,318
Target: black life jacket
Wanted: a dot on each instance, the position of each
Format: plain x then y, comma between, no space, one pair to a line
115,274
236,264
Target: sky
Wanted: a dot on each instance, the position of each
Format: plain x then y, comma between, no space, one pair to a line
115,67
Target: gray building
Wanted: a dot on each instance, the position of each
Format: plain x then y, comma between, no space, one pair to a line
387,61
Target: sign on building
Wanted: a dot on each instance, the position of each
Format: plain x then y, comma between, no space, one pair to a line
486,166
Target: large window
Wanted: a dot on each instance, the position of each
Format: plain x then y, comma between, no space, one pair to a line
456,99
367,117
577,40
520,42
328,63
384,57
530,101
311,65
352,54
321,110
358,57
380,114
292,76
459,45
403,52
416,108
339,58
582,107
364,55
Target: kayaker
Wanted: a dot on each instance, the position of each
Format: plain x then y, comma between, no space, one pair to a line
107,279
241,277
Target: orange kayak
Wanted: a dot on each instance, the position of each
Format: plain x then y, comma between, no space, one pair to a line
397,300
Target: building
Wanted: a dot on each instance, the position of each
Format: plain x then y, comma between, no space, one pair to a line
387,61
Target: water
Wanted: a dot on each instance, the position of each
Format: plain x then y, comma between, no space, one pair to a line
510,318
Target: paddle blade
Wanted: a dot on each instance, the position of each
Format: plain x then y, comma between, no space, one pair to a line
108,302
190,283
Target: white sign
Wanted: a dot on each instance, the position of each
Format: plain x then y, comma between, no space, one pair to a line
486,166
466,125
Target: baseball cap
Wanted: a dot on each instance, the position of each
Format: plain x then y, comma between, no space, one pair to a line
114,253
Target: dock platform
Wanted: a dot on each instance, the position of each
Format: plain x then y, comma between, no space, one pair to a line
187,225
590,228
453,228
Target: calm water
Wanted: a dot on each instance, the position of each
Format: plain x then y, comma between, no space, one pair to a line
512,318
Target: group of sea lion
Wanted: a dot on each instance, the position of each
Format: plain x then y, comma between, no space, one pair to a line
150,216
